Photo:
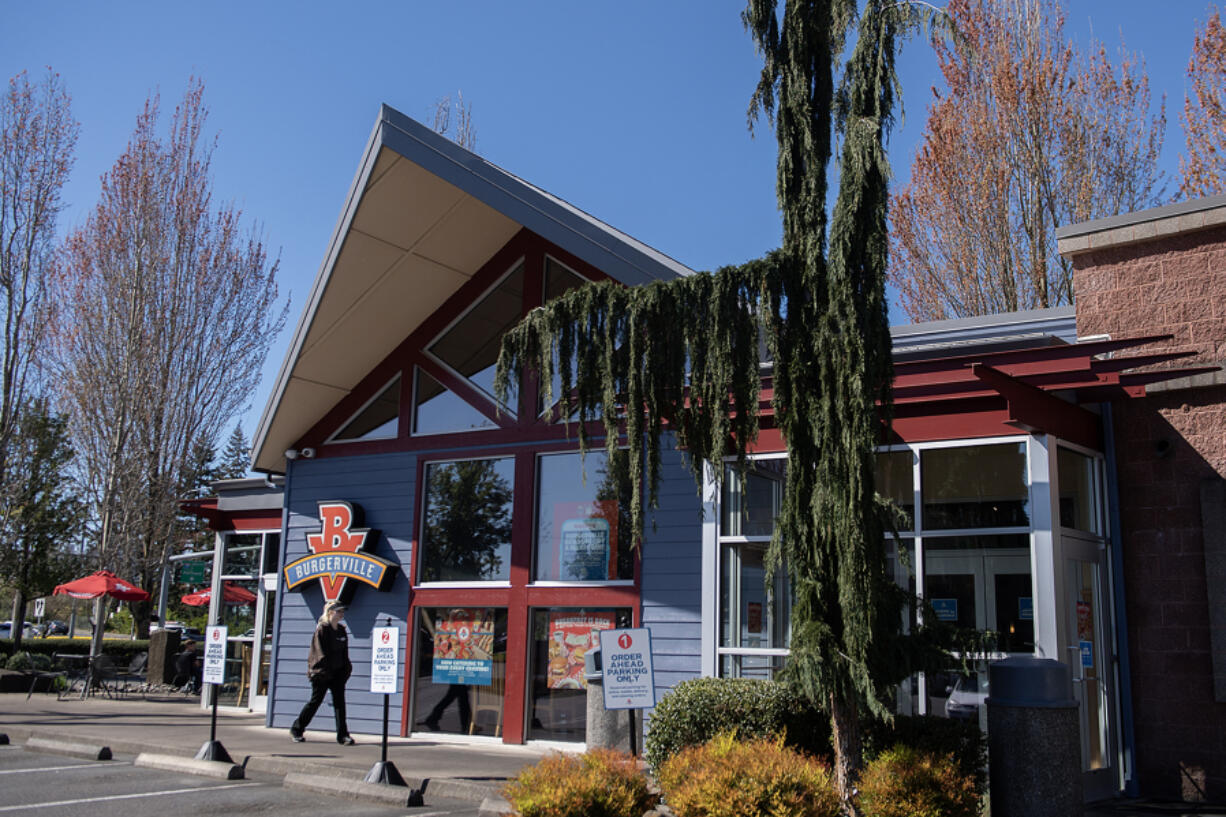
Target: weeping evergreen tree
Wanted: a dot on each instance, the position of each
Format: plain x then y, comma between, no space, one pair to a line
686,352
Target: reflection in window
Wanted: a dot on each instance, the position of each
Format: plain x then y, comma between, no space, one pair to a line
1077,495
378,420
983,583
750,616
583,530
467,530
748,506
978,486
437,409
896,481
470,346
460,670
242,554
561,637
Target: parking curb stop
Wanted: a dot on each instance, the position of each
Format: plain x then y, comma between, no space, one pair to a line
190,765
89,751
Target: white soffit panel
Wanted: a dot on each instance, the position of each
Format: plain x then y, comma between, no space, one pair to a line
404,204
467,237
362,262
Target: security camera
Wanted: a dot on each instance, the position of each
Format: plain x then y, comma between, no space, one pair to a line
309,453
291,453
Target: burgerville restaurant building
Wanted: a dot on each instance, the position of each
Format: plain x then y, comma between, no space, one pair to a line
1060,470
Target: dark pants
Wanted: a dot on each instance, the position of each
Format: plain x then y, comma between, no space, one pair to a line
459,694
319,686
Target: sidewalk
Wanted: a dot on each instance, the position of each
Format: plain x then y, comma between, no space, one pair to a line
472,769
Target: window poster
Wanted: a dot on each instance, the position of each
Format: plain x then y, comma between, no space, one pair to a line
464,646
585,540
571,635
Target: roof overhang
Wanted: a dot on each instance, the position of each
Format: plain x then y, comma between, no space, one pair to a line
420,219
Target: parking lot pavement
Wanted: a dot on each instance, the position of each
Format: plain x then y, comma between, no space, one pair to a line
46,785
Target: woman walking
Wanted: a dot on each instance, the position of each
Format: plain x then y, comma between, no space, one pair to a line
328,669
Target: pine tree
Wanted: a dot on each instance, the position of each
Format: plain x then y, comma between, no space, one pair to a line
236,459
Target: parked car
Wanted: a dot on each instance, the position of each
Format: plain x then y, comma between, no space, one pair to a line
6,629
966,696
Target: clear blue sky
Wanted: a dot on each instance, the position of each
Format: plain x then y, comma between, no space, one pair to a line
631,110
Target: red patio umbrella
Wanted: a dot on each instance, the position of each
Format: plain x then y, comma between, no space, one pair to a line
101,583
230,594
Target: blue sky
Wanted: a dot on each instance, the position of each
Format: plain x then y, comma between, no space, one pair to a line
633,111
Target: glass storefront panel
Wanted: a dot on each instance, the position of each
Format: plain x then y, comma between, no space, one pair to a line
978,486
467,532
470,346
732,665
983,583
583,530
1078,508
750,617
379,420
460,670
896,481
561,637
748,506
243,554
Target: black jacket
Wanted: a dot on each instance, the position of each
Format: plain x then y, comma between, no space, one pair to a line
329,656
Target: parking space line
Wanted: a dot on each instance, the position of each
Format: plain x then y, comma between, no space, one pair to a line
93,765
126,796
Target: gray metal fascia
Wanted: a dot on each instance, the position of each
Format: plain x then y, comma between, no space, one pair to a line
1059,322
1141,216
352,198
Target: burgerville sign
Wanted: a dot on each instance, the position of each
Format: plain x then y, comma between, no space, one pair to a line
340,555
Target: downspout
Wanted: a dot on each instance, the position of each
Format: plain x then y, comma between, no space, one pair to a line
1123,661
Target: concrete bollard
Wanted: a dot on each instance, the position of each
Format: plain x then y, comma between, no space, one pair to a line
1034,740
606,728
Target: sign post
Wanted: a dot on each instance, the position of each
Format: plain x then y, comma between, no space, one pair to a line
215,674
628,678
384,677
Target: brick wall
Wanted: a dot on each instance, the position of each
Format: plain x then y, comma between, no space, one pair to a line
1170,444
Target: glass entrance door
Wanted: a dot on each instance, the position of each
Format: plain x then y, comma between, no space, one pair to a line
1090,658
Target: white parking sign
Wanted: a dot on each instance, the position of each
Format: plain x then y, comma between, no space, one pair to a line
384,645
214,655
628,681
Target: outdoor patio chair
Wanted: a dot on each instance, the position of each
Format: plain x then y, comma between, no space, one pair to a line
105,676
133,678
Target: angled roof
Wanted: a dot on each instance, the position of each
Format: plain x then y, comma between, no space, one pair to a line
421,217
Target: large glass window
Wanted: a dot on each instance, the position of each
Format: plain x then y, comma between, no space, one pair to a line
978,486
1078,508
438,410
583,530
378,420
754,615
470,346
460,670
896,481
466,534
561,638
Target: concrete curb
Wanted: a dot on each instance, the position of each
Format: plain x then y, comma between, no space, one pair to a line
355,789
89,751
495,807
189,765
454,788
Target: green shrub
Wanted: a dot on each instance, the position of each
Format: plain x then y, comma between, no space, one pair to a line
933,735
701,708
19,661
903,782
733,777
598,783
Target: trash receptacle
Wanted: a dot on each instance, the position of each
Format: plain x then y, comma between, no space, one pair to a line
1034,742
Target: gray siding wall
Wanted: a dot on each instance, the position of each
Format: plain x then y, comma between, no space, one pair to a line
384,486
672,577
